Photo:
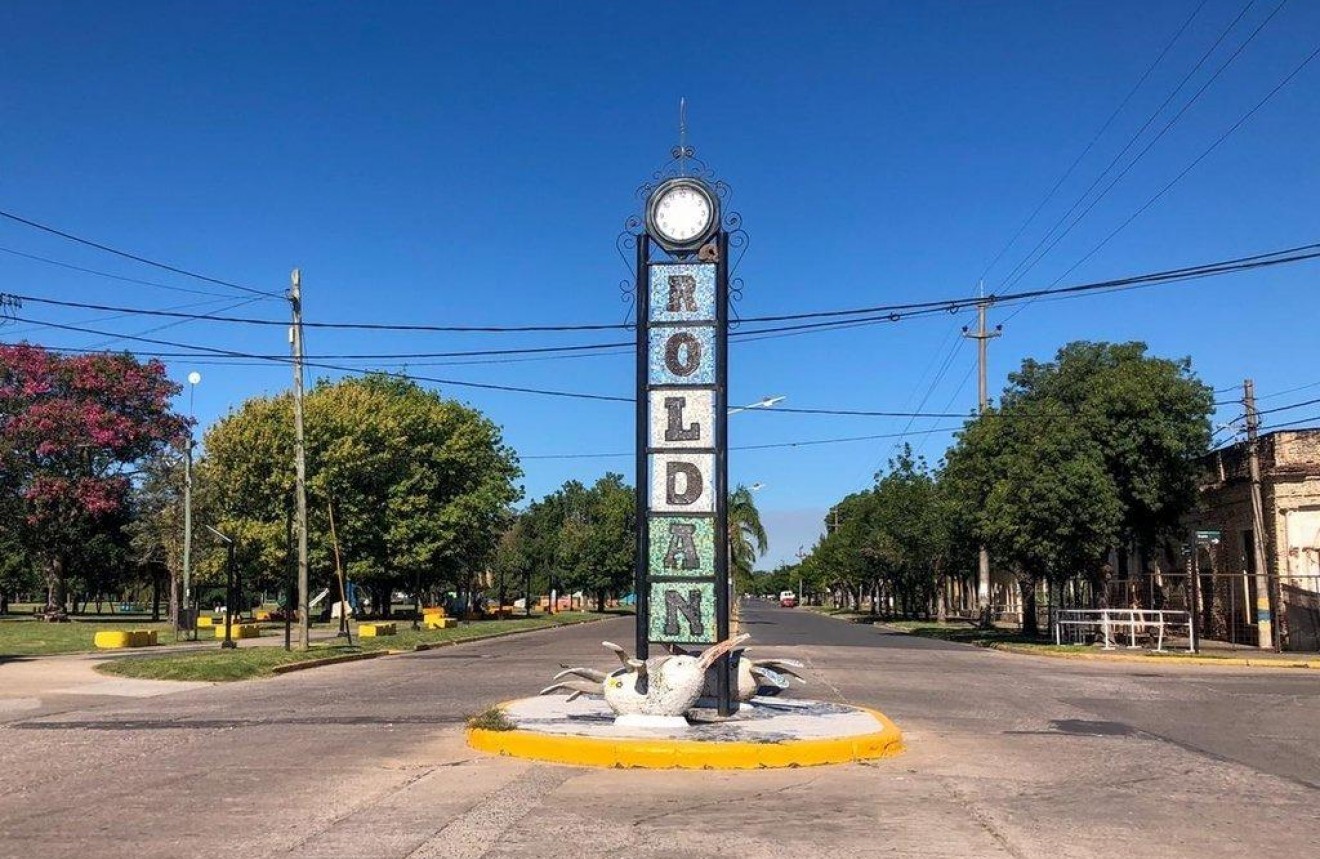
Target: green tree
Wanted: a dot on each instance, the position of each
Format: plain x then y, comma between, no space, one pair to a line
1149,417
419,484
580,538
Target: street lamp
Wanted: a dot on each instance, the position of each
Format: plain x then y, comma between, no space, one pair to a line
228,643
763,403
193,378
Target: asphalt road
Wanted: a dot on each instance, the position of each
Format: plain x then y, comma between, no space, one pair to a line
1007,756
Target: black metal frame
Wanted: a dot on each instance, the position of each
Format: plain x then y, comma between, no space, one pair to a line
642,581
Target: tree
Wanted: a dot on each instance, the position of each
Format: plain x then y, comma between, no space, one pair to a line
747,537
419,484
1149,417
72,430
580,538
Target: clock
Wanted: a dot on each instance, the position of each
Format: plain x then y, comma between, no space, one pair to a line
682,214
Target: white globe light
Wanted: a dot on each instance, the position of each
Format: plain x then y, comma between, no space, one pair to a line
194,377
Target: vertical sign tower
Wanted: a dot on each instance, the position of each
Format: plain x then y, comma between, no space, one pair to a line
682,411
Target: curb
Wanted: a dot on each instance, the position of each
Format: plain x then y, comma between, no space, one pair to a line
664,753
435,645
1226,661
329,660
1019,650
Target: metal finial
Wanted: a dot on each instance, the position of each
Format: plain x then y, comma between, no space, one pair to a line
681,152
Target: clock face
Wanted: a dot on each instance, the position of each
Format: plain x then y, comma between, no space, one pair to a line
682,213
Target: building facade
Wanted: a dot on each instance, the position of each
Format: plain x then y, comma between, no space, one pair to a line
1290,492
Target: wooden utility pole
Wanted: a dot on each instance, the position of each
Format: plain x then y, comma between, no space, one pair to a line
299,460
1267,631
982,338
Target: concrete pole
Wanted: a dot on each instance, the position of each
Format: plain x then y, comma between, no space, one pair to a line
299,460
982,338
1266,633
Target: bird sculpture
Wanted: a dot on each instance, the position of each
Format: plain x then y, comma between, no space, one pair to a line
662,686
754,676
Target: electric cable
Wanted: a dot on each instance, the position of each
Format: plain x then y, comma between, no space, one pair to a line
135,257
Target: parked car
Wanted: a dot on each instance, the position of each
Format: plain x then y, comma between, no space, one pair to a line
788,599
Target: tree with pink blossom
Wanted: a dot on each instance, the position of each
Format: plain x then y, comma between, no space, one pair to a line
72,430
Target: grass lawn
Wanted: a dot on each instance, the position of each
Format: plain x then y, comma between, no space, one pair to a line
247,661
24,636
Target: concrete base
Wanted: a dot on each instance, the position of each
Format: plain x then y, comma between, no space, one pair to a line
774,732
641,720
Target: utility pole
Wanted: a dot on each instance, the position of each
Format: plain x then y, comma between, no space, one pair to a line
982,338
299,459
1267,632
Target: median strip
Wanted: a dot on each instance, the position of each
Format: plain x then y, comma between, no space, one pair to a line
250,662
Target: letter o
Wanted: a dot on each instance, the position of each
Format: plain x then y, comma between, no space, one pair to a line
682,354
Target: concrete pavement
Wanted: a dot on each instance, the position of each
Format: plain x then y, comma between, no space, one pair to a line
1008,756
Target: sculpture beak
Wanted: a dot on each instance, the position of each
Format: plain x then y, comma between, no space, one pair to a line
709,656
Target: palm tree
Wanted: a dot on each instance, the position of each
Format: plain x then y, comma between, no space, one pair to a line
747,539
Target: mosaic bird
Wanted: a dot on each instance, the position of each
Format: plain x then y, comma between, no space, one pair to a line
754,676
662,686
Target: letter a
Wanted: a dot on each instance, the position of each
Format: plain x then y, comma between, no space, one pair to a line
692,483
681,289
690,608
676,431
681,543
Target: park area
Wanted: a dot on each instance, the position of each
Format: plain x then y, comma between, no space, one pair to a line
177,658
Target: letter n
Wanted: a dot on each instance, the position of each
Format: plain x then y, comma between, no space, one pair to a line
689,608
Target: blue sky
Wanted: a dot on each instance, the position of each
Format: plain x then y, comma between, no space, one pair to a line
471,164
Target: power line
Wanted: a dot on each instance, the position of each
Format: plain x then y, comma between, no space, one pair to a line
1311,419
110,276
356,370
1178,178
136,258
1018,270
771,446
1287,407
1095,139
832,318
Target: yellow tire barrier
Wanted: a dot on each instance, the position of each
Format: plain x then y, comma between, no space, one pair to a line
239,630
113,638
375,630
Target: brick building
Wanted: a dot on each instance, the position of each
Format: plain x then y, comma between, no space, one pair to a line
1290,490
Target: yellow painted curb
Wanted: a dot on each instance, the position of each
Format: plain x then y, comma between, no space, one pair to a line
664,753
1226,661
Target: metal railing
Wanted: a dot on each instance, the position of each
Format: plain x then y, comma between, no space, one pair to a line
1135,624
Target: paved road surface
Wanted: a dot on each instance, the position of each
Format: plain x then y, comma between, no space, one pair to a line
1008,756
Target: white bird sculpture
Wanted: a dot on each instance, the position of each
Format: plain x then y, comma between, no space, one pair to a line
754,676
662,686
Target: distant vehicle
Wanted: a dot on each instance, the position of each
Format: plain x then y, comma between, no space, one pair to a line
787,599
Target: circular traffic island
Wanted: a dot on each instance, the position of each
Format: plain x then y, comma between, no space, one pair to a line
767,733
